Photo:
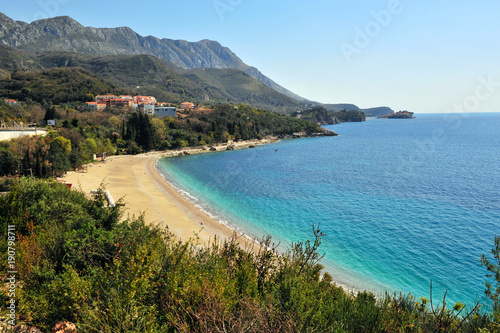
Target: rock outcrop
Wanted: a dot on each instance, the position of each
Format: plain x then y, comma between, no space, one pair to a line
64,327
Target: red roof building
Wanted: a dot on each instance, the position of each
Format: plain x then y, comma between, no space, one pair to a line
103,98
187,106
11,102
144,100
95,106
118,103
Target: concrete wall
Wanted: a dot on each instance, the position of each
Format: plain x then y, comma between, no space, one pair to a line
163,112
13,133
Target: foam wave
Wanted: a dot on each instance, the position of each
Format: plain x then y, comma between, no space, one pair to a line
202,206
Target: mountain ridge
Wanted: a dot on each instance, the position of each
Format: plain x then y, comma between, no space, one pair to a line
63,33
148,75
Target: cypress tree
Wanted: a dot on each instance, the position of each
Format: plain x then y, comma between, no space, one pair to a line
38,172
26,164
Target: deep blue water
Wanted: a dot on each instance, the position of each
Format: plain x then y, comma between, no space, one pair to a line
402,202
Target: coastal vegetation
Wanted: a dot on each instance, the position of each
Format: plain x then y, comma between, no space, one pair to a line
81,261
323,116
81,135
57,85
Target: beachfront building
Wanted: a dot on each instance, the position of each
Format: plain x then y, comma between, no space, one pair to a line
159,111
187,106
146,104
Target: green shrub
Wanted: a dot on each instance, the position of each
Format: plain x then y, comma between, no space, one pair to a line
79,261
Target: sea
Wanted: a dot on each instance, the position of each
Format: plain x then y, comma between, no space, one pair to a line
404,203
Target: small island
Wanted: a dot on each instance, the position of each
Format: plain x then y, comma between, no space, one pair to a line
399,115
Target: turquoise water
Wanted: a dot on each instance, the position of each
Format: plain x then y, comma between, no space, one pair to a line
402,202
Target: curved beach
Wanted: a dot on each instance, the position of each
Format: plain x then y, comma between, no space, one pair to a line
135,179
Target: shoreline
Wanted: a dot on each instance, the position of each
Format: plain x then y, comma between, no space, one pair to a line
136,180
145,190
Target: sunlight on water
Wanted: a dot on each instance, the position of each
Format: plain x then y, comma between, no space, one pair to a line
402,202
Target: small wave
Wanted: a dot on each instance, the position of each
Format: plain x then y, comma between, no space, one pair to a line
202,206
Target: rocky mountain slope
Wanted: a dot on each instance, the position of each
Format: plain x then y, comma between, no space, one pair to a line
65,34
148,75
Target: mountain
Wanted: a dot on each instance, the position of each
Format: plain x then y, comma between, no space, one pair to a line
11,60
148,75
65,34
243,88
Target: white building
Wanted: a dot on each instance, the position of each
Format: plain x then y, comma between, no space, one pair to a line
148,109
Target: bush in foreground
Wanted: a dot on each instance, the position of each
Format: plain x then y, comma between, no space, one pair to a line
79,262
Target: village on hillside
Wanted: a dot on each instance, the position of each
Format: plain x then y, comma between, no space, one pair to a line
145,104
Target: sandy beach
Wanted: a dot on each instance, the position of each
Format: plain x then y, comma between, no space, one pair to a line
135,179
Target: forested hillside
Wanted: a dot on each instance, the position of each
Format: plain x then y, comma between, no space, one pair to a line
80,135
56,86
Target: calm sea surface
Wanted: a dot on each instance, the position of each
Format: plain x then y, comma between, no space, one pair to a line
402,202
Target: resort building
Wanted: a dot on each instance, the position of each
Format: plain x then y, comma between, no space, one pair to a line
95,106
144,100
159,111
104,98
146,104
118,103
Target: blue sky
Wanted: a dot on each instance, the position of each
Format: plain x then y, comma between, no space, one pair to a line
419,55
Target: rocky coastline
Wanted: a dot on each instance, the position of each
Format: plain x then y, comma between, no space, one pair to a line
232,145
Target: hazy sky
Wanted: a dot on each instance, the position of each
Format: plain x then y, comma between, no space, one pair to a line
420,55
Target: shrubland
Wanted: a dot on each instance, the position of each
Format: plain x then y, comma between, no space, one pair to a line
77,262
